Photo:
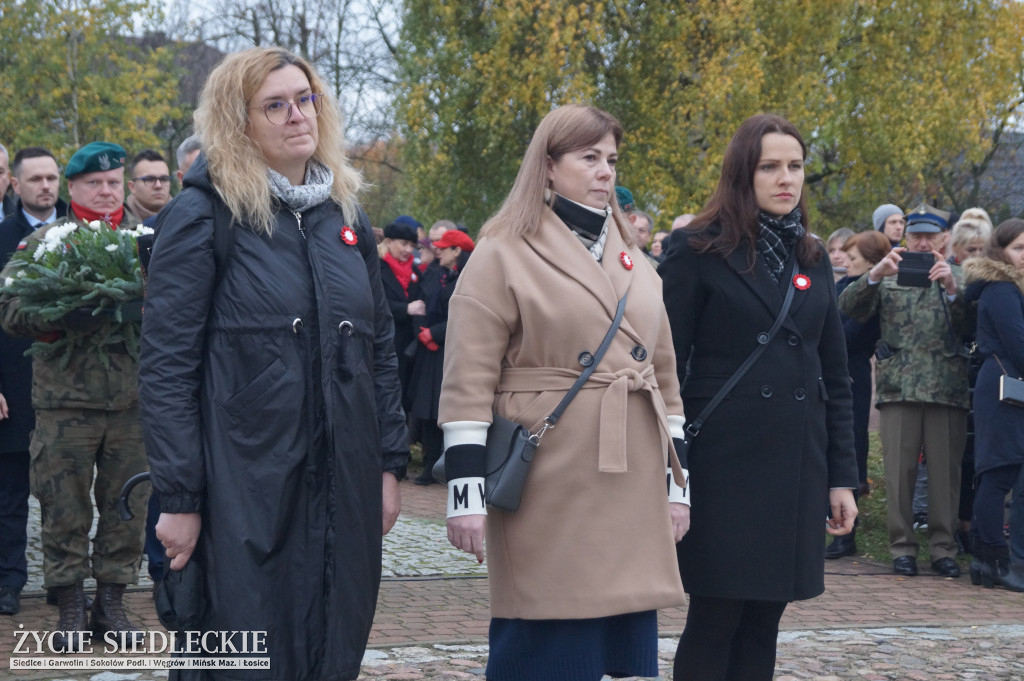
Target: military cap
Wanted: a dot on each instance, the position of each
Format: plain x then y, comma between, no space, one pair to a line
95,157
625,198
927,219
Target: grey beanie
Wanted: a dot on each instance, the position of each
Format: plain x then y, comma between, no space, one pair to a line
882,213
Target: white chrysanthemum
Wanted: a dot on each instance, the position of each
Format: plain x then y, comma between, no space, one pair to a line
40,251
111,247
8,281
59,233
95,225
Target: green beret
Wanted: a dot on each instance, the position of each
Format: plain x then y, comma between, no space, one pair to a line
95,157
625,198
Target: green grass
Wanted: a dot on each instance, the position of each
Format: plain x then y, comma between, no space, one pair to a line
872,534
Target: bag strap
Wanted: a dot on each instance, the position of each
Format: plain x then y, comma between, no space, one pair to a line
551,419
693,428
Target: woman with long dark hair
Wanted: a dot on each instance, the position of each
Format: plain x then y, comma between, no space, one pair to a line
778,451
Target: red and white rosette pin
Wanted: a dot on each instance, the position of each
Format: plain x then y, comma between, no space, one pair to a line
626,261
802,282
348,236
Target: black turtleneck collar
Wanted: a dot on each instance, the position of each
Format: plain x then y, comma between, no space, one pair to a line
583,220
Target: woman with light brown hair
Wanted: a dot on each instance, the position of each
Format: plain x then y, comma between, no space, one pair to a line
579,570
270,393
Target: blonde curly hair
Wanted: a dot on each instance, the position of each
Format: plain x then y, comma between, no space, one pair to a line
236,165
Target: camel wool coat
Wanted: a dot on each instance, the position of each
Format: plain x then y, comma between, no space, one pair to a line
593,535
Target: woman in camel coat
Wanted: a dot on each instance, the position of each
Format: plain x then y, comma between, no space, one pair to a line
578,571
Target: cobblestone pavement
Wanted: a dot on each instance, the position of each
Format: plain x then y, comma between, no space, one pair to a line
432,619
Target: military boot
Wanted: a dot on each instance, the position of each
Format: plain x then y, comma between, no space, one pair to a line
72,625
108,616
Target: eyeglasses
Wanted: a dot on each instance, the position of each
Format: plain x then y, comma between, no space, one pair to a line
279,111
153,180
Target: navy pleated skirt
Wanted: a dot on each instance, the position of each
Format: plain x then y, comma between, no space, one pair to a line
573,650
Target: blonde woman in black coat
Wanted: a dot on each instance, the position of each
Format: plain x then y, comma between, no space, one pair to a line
269,388
779,450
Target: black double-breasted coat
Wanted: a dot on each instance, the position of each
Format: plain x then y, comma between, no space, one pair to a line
271,405
762,466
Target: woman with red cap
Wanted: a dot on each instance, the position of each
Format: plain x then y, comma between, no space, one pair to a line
453,249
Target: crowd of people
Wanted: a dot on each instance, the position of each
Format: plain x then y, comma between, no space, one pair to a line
291,354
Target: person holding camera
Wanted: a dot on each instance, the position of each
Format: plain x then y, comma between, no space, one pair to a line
920,382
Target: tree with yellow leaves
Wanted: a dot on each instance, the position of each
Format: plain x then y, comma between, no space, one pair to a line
891,96
70,75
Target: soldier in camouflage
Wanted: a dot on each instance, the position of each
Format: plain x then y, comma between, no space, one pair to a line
86,418
920,387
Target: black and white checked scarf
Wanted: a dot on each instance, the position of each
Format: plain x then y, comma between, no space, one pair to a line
777,238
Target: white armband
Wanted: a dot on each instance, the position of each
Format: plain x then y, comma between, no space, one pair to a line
677,494
465,433
466,497
677,426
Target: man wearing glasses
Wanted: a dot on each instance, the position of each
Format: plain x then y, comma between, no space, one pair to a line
149,183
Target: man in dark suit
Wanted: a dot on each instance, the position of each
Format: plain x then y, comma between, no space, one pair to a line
35,179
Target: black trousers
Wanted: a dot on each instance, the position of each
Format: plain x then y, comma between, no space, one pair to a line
728,640
14,486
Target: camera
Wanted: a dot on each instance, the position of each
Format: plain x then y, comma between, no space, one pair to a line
914,268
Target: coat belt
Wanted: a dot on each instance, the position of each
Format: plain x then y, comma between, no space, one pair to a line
612,417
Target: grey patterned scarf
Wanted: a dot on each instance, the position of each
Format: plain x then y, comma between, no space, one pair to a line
777,238
315,190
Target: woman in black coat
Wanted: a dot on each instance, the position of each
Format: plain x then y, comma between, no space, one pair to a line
268,384
401,281
453,250
863,250
778,450
996,282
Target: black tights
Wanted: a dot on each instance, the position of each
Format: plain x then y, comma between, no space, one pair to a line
728,640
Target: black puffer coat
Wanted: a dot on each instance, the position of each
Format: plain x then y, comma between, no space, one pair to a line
271,404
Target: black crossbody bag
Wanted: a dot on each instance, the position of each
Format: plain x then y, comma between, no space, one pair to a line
510,446
763,339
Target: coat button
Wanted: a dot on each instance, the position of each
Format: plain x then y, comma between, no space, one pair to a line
297,325
766,391
345,328
586,359
793,339
762,338
799,393
639,353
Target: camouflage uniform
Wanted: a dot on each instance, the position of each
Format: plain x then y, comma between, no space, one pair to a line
86,419
921,392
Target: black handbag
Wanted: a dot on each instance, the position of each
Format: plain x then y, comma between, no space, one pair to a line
510,446
1011,390
763,339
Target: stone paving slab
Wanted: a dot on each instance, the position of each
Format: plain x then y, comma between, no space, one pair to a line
432,619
